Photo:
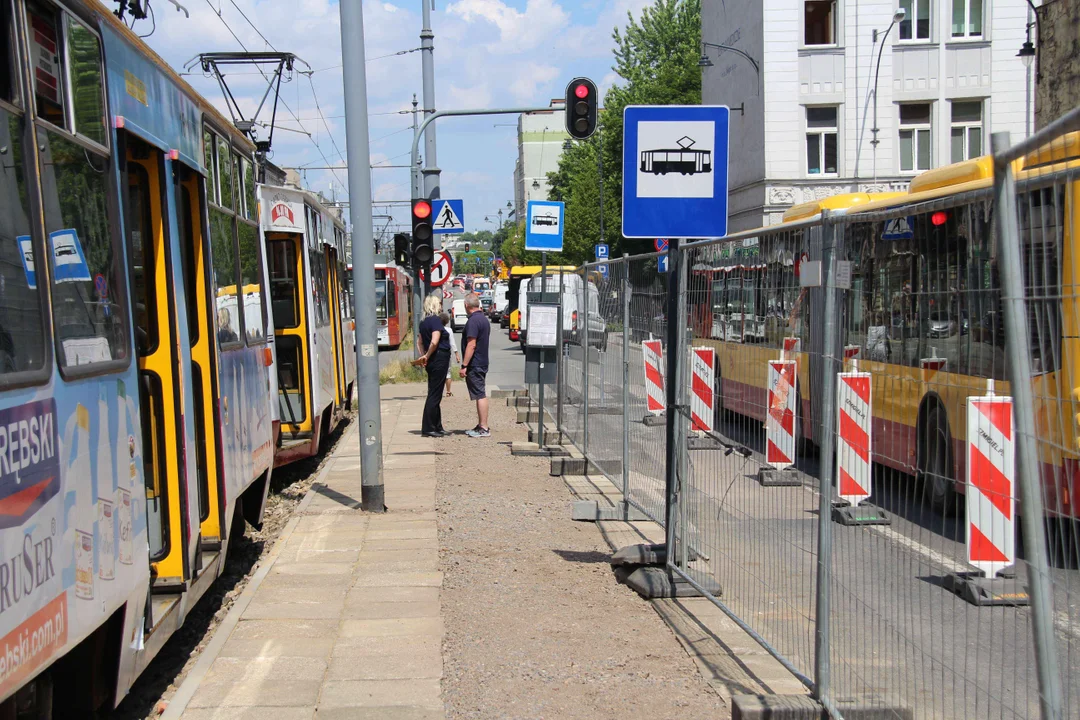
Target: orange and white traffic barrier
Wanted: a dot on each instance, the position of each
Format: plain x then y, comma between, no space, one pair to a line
780,418
653,353
702,362
853,438
792,345
991,475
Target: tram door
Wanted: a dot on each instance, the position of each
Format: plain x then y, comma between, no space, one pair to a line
196,264
159,383
334,288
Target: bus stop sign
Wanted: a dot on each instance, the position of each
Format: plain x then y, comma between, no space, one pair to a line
675,171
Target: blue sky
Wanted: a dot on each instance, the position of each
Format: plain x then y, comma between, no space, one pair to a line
488,53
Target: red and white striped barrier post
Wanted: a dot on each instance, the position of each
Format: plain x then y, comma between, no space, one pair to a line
991,505
780,421
853,439
991,474
652,352
702,362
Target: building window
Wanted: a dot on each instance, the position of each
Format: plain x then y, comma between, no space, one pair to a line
821,140
966,137
967,18
819,20
916,22
915,137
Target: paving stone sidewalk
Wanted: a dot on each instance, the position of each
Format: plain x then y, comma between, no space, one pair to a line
343,620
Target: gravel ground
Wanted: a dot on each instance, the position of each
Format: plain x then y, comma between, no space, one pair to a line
152,691
536,626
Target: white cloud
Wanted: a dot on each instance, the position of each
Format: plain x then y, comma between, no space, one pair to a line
518,31
529,82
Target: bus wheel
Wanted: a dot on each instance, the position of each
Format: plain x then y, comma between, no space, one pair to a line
935,473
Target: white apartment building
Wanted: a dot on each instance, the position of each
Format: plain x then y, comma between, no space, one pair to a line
802,124
540,145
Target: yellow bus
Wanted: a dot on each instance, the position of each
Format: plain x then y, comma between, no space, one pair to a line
922,314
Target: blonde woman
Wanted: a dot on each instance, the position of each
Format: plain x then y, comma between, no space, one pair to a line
435,342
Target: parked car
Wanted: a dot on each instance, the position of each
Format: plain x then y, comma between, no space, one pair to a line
500,298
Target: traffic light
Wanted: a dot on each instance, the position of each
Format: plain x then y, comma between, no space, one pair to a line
581,108
467,246
422,251
401,249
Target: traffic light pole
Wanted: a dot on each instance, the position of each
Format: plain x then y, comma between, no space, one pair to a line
363,256
427,46
414,271
429,170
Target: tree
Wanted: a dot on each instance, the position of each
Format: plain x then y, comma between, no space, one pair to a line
657,59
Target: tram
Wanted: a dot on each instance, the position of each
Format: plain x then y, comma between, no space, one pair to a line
314,328
393,304
139,393
922,316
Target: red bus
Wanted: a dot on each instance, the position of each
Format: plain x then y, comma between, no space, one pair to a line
393,304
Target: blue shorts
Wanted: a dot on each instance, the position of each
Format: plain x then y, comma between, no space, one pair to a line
474,381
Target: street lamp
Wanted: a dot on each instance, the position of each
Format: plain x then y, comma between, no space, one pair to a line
897,17
705,61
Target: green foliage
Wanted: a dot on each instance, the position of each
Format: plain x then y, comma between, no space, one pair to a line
656,57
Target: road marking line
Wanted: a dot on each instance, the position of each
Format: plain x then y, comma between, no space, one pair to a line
931,555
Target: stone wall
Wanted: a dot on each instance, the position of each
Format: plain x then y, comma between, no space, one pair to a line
1058,88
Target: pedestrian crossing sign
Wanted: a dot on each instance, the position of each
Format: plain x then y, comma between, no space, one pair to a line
447,217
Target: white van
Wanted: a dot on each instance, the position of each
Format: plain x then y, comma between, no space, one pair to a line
500,300
574,317
458,316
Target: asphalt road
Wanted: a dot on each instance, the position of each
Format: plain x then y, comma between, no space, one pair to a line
899,636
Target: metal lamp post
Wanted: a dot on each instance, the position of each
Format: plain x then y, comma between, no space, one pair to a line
897,17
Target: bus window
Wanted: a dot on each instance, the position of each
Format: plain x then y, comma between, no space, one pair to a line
251,282
281,258
88,310
141,247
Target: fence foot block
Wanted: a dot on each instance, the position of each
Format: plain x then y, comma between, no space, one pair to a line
979,590
804,707
652,582
862,514
590,511
507,392
641,554
693,442
533,415
553,437
654,420
531,449
569,466
772,477
518,401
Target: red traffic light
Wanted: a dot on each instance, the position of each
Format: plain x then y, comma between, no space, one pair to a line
581,91
421,209
939,218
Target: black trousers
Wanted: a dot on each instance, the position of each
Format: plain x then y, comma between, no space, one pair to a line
437,367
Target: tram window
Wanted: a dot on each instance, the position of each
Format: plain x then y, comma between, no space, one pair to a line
141,247
251,205
8,66
343,291
251,282
187,254
87,86
225,173
227,312
43,22
317,262
22,338
88,310
391,298
281,259
211,168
